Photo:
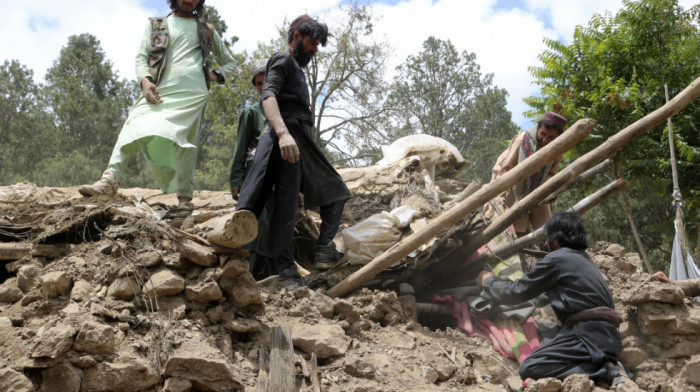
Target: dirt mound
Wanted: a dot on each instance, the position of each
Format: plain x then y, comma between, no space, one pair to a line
102,295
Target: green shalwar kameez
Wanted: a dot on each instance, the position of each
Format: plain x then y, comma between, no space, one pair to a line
167,134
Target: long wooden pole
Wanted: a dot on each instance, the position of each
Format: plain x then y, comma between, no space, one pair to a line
539,235
585,176
406,246
587,160
574,135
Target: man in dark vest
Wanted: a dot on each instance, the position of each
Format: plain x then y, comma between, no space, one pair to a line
521,147
288,161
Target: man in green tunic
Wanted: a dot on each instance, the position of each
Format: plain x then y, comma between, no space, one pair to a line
250,126
174,72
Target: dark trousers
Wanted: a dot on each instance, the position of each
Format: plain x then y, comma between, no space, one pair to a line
283,180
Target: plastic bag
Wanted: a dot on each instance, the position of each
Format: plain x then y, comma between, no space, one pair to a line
371,237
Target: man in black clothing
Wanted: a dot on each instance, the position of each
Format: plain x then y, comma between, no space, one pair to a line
288,161
589,341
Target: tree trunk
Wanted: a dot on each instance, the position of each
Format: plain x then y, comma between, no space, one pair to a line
637,238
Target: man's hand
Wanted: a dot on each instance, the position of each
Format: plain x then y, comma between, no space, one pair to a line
235,191
288,147
150,91
661,277
483,275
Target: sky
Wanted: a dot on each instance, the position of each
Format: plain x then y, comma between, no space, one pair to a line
505,35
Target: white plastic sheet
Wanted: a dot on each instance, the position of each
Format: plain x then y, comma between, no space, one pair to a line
433,152
682,265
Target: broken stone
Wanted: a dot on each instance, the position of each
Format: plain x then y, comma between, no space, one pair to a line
11,380
545,385
430,374
203,365
175,384
124,374
193,272
345,309
692,370
55,283
84,361
95,338
445,370
631,357
323,304
243,293
325,339
81,291
106,248
163,284
63,377
150,259
174,307
203,291
54,342
5,323
235,267
654,292
241,325
32,296
124,288
361,369
576,383
176,262
28,276
615,250
10,294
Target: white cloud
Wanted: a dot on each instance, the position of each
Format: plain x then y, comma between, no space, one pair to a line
505,41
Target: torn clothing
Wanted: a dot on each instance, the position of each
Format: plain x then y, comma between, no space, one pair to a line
573,284
522,146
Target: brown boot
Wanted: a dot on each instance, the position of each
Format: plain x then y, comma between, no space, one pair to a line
107,185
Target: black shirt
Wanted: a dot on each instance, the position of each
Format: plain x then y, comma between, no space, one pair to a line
285,80
568,277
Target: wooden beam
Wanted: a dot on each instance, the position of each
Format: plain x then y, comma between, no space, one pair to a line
558,147
282,375
584,162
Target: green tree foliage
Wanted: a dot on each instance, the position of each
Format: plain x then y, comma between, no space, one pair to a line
441,92
217,139
614,72
24,125
89,104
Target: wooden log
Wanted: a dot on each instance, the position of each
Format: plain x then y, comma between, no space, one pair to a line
585,176
282,377
466,192
315,384
530,239
607,148
264,371
232,230
575,134
14,250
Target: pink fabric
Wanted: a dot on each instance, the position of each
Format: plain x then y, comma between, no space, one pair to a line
501,333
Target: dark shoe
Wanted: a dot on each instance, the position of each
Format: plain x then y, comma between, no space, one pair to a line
325,256
290,279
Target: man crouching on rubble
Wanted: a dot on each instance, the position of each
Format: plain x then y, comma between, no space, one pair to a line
589,341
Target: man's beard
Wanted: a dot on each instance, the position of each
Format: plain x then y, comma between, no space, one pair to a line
302,58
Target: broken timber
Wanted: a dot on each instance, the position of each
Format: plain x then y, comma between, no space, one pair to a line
455,263
575,134
607,148
580,129
282,372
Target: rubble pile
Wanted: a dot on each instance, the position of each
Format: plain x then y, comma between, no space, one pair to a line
106,294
